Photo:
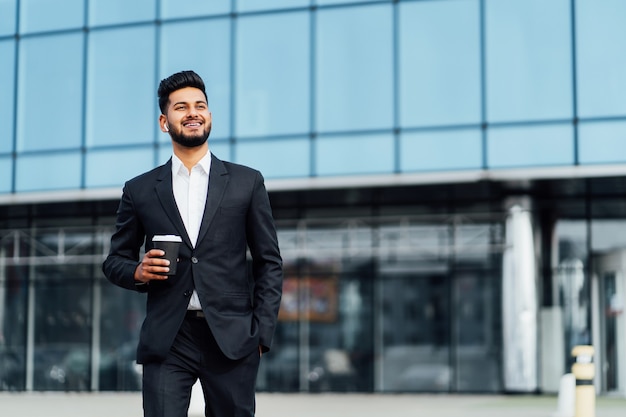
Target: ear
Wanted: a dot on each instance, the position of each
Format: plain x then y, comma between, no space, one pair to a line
163,124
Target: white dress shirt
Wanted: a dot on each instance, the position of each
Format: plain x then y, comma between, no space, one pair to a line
190,192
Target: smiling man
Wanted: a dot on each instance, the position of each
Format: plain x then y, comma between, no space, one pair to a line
210,321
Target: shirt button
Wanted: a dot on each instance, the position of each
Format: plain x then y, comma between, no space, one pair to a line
194,260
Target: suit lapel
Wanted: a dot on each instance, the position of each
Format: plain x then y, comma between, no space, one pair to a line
218,180
165,193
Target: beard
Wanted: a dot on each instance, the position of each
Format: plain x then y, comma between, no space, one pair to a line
191,141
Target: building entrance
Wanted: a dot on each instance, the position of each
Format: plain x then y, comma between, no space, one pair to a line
609,321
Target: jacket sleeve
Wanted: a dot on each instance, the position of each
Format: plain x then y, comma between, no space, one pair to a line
266,262
122,260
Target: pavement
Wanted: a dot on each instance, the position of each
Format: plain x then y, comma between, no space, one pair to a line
34,404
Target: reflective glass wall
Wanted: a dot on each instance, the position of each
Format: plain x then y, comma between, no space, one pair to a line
297,86
385,304
63,327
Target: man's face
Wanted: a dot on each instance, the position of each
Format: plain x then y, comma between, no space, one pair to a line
188,119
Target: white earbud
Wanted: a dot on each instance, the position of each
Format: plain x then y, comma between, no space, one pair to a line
167,128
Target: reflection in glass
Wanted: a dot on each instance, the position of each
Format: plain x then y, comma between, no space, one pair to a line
570,277
602,142
430,150
111,12
174,9
528,58
6,173
221,149
369,304
255,5
340,343
517,146
7,104
13,303
121,91
416,355
62,358
368,154
120,323
608,234
354,71
43,15
613,306
113,168
439,81
274,97
276,158
65,174
8,17
600,58
571,280
213,65
477,317
50,89
330,2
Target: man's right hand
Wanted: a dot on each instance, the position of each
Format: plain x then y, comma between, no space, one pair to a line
152,266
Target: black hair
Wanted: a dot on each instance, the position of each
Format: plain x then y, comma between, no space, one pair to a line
175,82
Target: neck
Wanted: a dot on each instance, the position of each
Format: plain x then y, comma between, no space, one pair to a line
190,156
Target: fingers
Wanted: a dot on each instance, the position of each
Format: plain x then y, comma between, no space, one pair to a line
152,266
155,253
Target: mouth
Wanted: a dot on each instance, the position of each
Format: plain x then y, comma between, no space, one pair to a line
192,124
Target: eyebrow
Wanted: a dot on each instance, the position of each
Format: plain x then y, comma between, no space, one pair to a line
185,103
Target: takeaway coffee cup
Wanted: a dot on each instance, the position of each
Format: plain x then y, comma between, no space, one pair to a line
169,244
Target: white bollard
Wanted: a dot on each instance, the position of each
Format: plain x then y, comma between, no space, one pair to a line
567,396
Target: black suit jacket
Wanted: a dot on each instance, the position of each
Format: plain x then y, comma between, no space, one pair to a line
240,310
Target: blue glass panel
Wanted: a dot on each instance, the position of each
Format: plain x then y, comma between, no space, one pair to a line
50,171
8,16
41,15
50,86
254,5
121,90
602,142
6,173
325,2
601,57
221,149
113,168
276,158
431,150
7,104
164,153
363,154
212,64
529,59
172,9
530,146
272,74
439,81
354,68
108,12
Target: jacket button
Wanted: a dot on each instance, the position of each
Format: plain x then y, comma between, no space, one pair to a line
194,260
186,293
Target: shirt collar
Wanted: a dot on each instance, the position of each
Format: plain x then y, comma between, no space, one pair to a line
204,163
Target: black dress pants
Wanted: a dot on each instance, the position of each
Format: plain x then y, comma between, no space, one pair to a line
228,386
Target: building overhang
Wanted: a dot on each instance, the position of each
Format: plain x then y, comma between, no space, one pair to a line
356,181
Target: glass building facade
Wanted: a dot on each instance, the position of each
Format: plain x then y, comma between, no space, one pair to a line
447,178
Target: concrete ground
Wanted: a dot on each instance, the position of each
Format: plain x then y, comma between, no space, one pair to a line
310,405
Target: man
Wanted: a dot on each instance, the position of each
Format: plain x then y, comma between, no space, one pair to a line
212,320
